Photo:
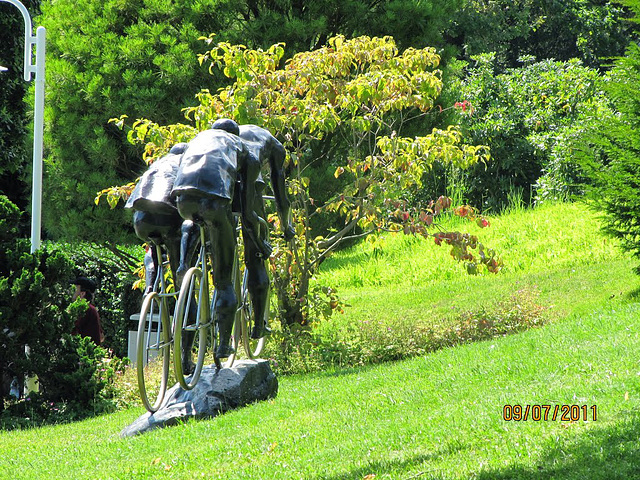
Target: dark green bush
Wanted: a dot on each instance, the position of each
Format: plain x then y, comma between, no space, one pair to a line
115,298
14,121
78,382
34,293
81,373
35,312
308,24
591,30
104,59
525,115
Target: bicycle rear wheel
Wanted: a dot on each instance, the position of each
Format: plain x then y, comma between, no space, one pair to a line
252,347
154,314
192,315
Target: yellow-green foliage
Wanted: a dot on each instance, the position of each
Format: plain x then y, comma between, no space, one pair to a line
355,92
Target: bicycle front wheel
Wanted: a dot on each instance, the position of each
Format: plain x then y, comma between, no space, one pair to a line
154,340
191,318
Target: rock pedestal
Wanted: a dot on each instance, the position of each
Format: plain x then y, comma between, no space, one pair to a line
216,392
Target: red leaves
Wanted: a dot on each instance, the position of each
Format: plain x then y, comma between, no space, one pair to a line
464,106
460,245
413,221
470,213
482,222
463,210
426,218
443,203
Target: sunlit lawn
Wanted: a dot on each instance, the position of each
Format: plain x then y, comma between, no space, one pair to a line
437,416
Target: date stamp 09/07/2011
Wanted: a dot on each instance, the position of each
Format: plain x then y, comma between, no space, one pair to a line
545,413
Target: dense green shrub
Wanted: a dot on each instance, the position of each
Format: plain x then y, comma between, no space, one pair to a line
525,115
115,298
308,24
34,292
35,312
15,160
81,367
105,59
78,381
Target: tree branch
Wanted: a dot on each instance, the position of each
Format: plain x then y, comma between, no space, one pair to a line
320,258
127,259
329,242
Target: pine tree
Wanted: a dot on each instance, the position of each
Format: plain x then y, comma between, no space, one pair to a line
612,155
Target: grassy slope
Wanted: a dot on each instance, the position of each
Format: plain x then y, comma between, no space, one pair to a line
556,250
437,416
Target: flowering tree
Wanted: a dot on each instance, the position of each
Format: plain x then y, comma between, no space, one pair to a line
359,93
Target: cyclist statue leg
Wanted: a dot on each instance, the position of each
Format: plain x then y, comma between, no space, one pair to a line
258,286
188,243
258,279
223,244
215,213
189,235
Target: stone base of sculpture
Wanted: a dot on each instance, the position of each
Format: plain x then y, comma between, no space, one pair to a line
216,392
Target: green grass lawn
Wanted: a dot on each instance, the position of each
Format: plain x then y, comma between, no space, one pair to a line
436,416
556,248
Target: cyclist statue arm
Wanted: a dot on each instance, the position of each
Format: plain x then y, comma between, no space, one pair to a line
283,205
248,176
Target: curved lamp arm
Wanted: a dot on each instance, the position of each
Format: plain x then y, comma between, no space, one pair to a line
37,69
29,39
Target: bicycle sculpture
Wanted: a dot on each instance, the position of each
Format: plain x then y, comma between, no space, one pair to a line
216,192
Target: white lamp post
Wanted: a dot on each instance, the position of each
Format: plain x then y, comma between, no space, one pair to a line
36,68
31,383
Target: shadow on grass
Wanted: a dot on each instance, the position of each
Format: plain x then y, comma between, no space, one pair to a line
610,453
415,464
633,295
599,453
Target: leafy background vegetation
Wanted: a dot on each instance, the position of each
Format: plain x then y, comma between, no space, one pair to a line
14,167
75,375
594,31
139,59
537,81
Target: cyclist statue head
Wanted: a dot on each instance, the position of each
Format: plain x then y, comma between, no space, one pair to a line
227,125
